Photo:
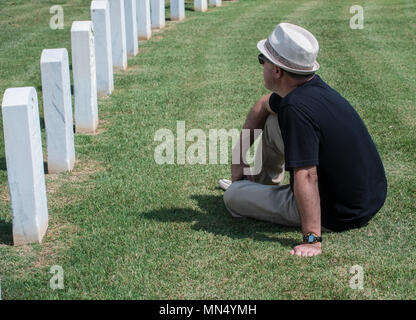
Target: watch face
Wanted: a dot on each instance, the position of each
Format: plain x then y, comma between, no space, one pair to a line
311,238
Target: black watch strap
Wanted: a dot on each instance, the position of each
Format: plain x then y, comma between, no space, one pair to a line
311,237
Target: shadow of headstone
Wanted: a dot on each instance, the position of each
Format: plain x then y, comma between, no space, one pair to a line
6,233
3,165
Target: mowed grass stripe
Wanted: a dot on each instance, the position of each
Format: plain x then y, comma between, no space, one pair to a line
167,271
164,271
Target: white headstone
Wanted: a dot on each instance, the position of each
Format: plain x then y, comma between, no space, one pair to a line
57,110
216,3
100,16
143,19
200,5
131,27
157,13
177,10
118,34
83,68
24,159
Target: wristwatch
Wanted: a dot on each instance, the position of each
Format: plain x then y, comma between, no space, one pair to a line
311,237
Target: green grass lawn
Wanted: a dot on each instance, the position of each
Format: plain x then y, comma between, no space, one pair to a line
123,227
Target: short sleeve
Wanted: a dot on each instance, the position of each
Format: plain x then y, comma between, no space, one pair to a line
300,137
274,102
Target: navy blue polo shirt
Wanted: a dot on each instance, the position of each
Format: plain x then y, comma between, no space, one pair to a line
320,128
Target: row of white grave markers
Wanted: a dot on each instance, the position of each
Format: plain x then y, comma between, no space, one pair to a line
131,27
100,16
98,47
57,110
177,10
85,79
216,3
144,29
157,14
24,160
202,5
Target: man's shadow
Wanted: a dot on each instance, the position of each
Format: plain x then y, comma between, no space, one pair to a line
214,218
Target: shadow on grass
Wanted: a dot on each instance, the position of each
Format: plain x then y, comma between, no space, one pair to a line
3,165
6,235
215,219
189,7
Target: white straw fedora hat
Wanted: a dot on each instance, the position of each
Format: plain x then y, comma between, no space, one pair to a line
292,48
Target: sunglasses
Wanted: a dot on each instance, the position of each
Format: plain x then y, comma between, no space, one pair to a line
262,58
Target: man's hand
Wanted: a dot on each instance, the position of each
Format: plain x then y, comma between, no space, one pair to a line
237,172
256,119
307,250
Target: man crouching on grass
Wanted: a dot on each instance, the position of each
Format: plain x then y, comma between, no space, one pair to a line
337,179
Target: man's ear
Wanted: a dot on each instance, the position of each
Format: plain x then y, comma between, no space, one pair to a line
278,72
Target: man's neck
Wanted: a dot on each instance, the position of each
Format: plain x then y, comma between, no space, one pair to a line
292,84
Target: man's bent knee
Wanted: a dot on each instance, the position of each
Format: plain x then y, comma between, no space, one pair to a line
231,198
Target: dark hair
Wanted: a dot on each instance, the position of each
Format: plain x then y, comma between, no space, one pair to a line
299,76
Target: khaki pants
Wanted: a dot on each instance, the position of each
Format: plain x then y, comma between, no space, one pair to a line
266,199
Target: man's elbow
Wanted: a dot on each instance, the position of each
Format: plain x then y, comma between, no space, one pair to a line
306,175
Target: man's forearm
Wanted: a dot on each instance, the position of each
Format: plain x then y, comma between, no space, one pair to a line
308,200
256,119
